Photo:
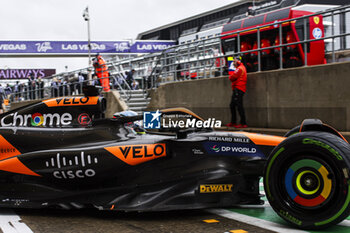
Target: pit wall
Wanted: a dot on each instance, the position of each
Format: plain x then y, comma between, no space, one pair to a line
274,99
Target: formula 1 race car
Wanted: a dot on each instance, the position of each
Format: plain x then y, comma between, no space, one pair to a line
64,153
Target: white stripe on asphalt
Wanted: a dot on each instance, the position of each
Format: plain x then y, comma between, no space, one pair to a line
254,221
11,223
345,223
266,204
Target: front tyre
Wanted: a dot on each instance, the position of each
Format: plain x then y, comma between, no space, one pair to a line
307,180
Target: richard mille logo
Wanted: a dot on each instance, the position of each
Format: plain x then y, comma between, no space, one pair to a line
78,162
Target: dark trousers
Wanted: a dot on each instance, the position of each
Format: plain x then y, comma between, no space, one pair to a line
237,102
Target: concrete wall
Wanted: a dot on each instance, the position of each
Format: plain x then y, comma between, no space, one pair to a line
114,103
23,103
275,99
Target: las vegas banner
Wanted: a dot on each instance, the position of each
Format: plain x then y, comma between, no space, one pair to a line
81,47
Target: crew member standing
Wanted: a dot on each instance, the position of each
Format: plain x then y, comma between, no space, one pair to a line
239,86
101,71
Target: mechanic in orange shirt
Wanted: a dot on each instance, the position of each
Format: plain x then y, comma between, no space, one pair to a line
239,86
101,71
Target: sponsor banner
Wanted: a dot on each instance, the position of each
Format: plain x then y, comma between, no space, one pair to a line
81,47
24,73
150,46
236,149
215,188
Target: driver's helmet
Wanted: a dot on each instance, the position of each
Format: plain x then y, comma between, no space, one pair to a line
136,125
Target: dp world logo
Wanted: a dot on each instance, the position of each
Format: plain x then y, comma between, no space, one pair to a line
151,120
215,148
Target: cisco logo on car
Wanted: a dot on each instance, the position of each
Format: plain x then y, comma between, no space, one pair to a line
79,162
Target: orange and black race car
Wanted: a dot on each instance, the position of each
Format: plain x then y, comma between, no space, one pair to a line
64,153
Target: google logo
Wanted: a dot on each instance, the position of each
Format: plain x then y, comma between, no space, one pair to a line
37,119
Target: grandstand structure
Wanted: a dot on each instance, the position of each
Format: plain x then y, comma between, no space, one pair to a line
209,24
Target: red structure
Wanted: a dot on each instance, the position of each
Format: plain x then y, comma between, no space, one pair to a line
293,31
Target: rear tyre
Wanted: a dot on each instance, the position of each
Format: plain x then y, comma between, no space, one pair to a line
307,180
293,131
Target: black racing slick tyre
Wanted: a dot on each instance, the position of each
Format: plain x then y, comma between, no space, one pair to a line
293,131
307,180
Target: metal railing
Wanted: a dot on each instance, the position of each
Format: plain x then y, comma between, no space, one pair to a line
53,89
195,60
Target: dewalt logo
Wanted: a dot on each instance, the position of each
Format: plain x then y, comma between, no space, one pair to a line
215,188
136,154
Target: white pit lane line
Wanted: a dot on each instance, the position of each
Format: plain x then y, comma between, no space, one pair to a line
345,223
10,222
254,221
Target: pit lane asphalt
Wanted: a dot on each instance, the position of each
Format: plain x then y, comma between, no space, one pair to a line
91,220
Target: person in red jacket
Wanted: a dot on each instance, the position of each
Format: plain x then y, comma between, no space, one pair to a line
101,71
239,86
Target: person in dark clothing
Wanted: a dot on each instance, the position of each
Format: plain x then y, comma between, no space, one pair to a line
2,95
130,77
17,90
60,87
95,81
25,92
8,90
81,81
239,86
54,88
65,87
40,88
179,72
31,87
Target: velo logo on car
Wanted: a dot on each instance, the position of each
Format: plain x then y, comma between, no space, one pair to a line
36,119
71,101
78,166
151,120
136,154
